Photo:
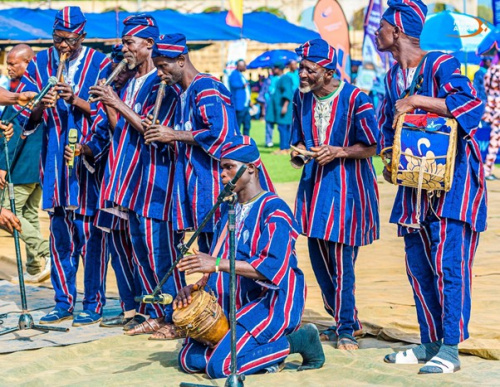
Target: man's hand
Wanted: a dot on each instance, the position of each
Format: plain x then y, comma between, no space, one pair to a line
197,263
404,105
148,121
159,133
327,153
294,152
183,298
65,92
25,97
8,221
387,175
3,182
284,110
8,130
68,152
106,95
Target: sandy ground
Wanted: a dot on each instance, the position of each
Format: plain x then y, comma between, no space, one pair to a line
385,305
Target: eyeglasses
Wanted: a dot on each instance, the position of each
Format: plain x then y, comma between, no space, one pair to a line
69,41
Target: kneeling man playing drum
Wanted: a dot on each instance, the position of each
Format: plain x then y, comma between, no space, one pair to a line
270,290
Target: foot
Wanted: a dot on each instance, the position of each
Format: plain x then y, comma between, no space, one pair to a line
306,342
273,369
56,316
167,332
87,317
151,325
446,361
420,354
347,342
42,276
116,321
136,320
269,145
491,178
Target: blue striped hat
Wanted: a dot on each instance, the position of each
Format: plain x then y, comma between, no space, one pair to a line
143,26
408,15
320,52
170,46
70,19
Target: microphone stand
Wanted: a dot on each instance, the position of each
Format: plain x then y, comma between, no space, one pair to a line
233,380
25,319
184,247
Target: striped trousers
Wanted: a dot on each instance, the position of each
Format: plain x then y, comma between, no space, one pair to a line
438,263
333,265
251,356
73,236
154,246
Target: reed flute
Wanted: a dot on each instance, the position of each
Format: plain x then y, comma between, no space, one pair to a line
159,98
59,74
118,69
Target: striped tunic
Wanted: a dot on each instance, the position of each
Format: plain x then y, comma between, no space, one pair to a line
205,110
266,239
79,191
139,176
338,202
466,201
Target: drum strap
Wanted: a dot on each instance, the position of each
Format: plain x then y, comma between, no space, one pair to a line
220,241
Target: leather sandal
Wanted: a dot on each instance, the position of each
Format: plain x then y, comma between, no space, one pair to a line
149,326
167,332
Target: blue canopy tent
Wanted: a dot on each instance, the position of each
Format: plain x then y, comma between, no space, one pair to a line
202,27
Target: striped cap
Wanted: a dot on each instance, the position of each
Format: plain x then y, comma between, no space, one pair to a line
170,46
241,148
70,19
143,26
320,52
408,15
116,53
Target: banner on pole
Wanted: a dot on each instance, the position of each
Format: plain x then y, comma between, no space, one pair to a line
370,53
332,26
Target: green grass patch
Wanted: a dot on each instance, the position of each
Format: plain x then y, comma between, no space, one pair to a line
278,166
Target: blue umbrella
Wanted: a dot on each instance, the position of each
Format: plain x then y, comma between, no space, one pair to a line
453,31
467,57
490,43
271,58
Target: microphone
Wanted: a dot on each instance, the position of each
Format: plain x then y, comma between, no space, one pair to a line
163,299
45,90
72,140
229,187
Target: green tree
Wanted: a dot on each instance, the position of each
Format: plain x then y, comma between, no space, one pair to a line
213,9
485,12
358,19
274,11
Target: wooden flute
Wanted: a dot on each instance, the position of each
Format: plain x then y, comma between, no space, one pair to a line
118,69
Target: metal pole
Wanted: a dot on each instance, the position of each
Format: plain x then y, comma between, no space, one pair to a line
233,380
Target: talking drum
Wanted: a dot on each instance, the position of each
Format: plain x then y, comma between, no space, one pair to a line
423,152
203,319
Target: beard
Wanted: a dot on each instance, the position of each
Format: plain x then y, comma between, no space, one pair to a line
305,89
131,62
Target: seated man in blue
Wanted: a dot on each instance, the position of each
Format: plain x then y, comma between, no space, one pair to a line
440,229
271,289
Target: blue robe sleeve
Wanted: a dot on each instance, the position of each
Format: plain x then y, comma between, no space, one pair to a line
275,247
216,117
296,135
98,140
365,122
28,83
461,98
386,116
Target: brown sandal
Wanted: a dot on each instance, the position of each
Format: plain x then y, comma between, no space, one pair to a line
151,325
167,332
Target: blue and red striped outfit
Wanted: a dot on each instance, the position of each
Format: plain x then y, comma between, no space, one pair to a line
440,253
140,178
205,109
70,200
337,204
267,310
